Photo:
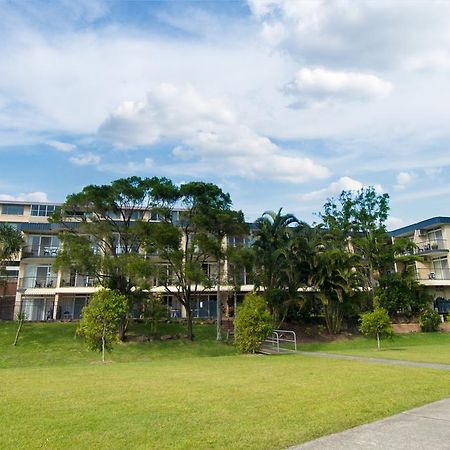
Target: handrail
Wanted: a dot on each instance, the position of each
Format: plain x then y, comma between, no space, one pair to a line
294,337
279,336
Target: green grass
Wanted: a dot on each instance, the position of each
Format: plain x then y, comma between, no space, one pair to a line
420,347
56,344
54,394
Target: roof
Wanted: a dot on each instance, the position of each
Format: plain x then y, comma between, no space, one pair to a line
424,224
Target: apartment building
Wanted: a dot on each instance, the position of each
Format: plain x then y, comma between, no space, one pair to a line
432,239
35,288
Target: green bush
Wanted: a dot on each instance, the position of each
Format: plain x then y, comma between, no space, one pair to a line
253,324
376,323
429,321
100,322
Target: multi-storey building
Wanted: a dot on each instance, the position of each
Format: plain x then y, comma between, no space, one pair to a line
39,291
432,239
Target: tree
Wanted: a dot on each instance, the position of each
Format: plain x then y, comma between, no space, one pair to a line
336,279
253,324
10,241
154,311
273,235
101,319
401,294
359,218
376,323
101,231
191,243
222,223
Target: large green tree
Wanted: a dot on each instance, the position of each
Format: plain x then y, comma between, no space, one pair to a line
192,241
101,231
359,219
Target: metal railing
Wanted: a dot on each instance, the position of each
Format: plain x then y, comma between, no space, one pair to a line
282,336
78,281
432,274
431,246
37,282
33,251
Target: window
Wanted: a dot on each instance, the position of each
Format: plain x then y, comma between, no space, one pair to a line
12,210
440,269
42,210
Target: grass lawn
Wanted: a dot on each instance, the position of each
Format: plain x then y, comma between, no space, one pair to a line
198,395
51,344
422,347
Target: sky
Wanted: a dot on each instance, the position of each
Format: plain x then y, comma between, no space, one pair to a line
282,103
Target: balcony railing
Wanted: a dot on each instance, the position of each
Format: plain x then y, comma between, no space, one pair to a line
79,281
432,274
37,282
436,245
37,251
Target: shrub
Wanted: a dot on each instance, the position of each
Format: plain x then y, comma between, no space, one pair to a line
429,321
376,323
253,324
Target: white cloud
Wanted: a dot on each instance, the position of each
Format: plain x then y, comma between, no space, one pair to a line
130,168
208,130
354,33
317,85
26,197
392,223
335,188
62,146
85,159
403,180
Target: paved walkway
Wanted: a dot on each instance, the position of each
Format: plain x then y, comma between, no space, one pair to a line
395,362
427,427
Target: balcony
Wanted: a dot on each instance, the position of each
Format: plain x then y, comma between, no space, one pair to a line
39,251
79,281
437,247
37,282
432,274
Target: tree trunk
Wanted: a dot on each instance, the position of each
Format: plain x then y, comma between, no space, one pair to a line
190,333
378,341
103,345
123,325
19,328
333,316
218,308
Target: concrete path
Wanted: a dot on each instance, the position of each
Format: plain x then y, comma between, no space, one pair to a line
427,427
395,362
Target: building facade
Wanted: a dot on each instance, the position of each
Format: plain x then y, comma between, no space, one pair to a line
431,238
33,287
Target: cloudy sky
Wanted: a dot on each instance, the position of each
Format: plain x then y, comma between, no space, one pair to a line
282,103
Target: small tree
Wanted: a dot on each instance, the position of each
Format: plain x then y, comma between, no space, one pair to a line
376,323
253,323
154,311
101,319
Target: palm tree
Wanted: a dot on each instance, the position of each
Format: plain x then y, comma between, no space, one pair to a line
337,279
273,237
10,241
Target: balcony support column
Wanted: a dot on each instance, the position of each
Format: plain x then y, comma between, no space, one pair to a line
55,306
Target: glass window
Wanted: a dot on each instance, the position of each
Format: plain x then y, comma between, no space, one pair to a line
42,210
13,210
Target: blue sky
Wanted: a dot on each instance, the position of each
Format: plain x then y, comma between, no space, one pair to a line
282,103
